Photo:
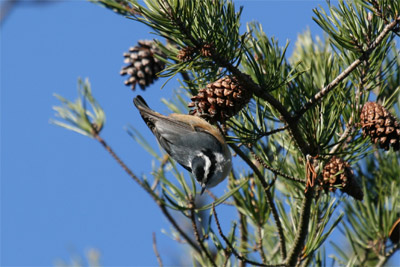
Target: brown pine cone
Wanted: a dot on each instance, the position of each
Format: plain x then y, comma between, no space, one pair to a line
207,50
186,53
220,100
338,173
142,66
380,125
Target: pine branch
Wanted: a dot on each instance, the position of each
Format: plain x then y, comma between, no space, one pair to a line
260,246
179,229
123,165
324,91
287,118
243,235
291,120
301,234
196,232
268,196
148,190
275,171
231,246
343,137
179,23
277,130
156,251
244,79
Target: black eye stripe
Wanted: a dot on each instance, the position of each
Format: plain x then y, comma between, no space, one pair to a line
212,159
199,174
198,164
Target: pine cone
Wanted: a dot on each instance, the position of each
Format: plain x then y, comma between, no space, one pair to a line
207,50
380,125
186,53
143,65
338,172
221,99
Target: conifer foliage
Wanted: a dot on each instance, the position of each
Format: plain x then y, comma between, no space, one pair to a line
299,123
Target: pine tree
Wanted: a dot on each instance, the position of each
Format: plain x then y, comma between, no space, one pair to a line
321,119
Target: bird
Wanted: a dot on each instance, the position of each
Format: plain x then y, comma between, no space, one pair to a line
192,142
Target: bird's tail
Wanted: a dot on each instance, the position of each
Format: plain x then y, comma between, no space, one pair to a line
148,115
140,103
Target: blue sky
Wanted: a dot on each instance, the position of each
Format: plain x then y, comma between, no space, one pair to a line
61,193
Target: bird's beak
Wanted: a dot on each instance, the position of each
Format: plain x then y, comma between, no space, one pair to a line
203,188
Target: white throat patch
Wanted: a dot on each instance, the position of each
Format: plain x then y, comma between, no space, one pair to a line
208,164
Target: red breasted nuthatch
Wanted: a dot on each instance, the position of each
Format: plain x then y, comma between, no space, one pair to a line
192,142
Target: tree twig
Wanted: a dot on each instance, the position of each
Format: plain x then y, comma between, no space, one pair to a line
269,198
231,246
275,171
179,229
318,97
156,251
342,137
260,246
243,236
243,228
147,189
274,131
122,164
160,169
227,255
302,232
196,232
306,206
